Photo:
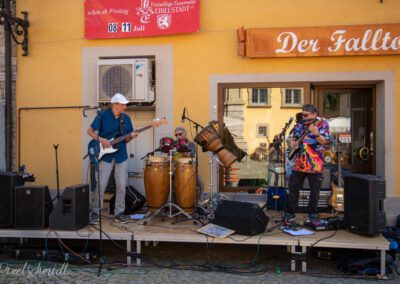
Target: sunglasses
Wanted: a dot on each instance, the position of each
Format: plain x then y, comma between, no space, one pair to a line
306,114
178,134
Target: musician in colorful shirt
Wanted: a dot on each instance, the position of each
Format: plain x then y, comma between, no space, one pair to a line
308,162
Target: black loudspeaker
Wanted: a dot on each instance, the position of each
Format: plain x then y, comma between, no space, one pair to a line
32,207
8,180
364,197
243,217
72,210
134,200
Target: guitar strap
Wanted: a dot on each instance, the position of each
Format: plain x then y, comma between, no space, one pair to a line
121,123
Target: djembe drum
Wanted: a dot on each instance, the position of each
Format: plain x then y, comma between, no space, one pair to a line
209,139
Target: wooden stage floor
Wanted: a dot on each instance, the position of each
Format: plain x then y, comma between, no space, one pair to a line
158,230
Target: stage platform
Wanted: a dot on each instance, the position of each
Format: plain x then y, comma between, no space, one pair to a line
158,230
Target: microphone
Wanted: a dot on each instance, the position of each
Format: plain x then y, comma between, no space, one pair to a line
290,121
183,115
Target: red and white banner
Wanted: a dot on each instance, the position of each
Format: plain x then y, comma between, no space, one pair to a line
140,18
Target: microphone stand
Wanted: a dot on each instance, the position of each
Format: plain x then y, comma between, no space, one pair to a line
57,177
196,213
96,163
278,146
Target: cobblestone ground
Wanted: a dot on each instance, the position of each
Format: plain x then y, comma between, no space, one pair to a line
189,263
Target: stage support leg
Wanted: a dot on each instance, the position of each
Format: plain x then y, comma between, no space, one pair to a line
138,251
383,265
298,255
128,249
303,260
293,260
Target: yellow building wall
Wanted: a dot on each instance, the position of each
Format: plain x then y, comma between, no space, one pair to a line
274,116
51,74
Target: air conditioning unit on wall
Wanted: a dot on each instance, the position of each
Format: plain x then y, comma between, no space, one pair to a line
130,77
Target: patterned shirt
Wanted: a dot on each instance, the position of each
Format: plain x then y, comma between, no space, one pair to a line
310,157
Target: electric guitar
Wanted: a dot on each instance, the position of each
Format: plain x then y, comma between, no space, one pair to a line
337,197
96,151
316,122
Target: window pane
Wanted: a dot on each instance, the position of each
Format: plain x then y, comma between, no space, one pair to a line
297,97
254,96
262,130
288,97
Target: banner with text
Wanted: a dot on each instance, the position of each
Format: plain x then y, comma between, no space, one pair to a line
140,18
319,41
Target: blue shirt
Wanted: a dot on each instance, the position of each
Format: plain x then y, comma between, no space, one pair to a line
110,128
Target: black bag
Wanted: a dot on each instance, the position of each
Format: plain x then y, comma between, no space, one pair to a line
133,201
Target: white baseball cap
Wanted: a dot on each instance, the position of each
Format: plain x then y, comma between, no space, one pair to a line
119,99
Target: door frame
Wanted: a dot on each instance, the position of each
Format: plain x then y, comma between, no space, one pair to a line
316,97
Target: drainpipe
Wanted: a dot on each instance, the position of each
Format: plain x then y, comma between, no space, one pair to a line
8,90
14,29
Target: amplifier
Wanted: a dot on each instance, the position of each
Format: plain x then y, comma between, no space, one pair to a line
323,206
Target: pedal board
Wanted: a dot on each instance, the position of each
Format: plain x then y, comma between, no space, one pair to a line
325,224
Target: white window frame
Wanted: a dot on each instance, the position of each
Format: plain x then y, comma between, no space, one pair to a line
258,126
292,104
259,104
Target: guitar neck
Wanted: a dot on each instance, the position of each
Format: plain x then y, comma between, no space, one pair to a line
123,137
339,165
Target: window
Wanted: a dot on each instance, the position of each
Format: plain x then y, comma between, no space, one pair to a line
259,97
262,130
292,97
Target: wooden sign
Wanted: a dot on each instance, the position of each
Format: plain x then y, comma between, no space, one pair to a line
320,41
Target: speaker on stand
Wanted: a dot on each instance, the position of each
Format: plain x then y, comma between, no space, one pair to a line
364,211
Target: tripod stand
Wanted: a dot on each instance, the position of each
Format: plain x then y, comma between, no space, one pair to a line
166,209
215,195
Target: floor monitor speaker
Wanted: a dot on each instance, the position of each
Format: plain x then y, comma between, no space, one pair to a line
364,197
8,180
72,210
243,217
32,207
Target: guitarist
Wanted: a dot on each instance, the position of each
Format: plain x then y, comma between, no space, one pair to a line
108,124
308,161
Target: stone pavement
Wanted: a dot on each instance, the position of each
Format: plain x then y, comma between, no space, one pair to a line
191,263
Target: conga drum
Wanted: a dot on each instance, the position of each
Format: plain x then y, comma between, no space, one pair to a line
185,183
156,181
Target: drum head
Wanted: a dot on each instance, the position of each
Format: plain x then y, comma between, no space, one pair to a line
157,159
185,160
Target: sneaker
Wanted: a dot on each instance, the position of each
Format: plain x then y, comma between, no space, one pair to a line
94,218
313,217
289,219
121,218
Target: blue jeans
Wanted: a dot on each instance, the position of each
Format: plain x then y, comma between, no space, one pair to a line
296,184
121,178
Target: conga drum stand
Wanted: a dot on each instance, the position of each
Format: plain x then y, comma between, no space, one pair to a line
166,209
